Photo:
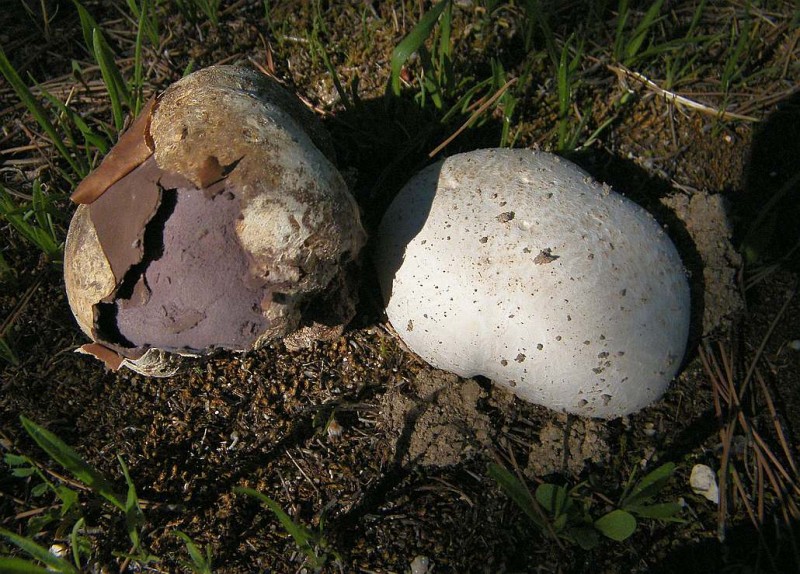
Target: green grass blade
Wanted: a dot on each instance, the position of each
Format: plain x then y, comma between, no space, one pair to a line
67,119
35,108
411,43
53,562
623,11
734,64
564,84
67,496
303,537
148,22
44,238
116,87
92,139
210,8
7,353
649,485
465,101
135,87
430,83
71,460
42,209
201,563
680,45
445,51
133,511
88,25
20,566
189,68
641,31
335,77
516,491
75,542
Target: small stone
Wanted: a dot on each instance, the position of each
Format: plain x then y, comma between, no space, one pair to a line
420,565
703,481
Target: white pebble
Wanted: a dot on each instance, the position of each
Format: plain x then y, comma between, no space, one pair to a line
703,481
420,565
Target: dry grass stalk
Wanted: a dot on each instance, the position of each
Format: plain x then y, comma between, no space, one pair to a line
624,74
476,114
768,472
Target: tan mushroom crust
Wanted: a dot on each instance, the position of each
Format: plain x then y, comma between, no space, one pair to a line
87,272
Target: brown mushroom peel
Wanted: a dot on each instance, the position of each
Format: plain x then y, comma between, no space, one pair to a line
133,147
223,237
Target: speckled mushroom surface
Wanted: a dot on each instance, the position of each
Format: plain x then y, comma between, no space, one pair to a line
224,234
517,265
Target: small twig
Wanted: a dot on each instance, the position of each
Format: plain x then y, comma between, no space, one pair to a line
740,487
623,72
34,511
776,422
449,487
476,114
706,358
534,503
20,307
726,433
13,498
303,472
776,463
765,339
124,565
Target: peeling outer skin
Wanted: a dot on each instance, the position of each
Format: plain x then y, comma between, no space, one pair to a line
133,147
154,363
110,357
120,216
196,295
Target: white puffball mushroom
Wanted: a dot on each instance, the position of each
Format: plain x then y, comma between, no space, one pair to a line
518,266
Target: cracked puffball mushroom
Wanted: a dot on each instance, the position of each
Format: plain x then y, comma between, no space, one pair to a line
516,265
218,221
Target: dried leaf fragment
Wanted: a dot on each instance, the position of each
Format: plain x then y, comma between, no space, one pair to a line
112,360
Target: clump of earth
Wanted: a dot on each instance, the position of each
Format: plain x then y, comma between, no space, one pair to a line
436,419
706,220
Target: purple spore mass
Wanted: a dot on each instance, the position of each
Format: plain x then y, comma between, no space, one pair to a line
197,295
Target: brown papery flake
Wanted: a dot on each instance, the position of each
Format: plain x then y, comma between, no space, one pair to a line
112,360
120,216
133,148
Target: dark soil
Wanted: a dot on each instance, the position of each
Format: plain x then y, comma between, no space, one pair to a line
357,438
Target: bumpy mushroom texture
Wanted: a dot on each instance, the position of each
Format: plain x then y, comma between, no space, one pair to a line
516,265
222,237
